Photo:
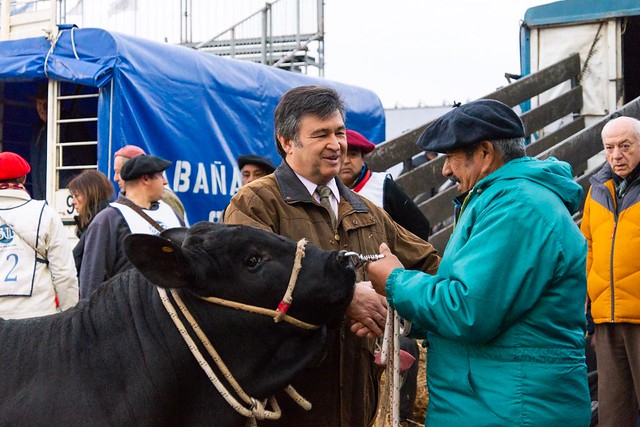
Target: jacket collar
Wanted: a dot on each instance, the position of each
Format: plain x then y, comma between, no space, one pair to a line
606,173
15,194
294,191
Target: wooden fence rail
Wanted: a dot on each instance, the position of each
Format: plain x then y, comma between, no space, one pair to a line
570,141
575,150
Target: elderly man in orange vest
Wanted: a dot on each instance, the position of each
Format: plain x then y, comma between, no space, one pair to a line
610,224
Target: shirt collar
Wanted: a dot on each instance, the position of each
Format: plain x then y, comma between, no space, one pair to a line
293,191
311,187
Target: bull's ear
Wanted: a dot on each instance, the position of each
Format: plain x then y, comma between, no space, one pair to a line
175,234
160,260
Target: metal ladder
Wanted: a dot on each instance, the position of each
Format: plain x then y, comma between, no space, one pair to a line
59,148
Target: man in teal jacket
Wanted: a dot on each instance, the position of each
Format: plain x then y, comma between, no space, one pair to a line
504,314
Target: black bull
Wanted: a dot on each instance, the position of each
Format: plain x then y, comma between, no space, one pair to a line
119,360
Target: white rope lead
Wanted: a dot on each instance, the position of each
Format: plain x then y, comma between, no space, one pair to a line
200,358
257,409
287,299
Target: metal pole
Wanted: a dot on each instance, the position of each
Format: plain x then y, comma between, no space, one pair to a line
320,4
53,157
233,42
263,42
181,25
53,17
297,22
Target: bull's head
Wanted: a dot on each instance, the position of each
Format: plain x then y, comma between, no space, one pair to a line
244,264
252,267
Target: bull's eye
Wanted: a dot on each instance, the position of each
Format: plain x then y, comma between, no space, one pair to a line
253,261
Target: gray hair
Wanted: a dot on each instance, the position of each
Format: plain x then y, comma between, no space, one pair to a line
509,149
632,121
317,101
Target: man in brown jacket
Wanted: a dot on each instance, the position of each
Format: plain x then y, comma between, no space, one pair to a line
311,138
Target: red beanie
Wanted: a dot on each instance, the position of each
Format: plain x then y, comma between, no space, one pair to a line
129,151
12,166
357,140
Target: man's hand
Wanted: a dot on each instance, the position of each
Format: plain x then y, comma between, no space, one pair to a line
380,270
367,311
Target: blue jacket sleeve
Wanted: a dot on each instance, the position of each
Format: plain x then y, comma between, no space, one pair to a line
486,281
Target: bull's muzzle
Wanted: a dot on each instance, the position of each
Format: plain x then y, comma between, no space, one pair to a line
355,259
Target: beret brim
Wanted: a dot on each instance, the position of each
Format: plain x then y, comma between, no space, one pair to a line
143,165
481,120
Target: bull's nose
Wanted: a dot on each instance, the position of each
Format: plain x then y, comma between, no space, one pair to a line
344,260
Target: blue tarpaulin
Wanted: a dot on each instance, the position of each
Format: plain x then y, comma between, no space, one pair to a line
198,110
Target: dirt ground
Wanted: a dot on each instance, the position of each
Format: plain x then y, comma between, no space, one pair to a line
422,398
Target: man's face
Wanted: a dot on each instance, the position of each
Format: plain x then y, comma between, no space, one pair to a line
118,162
157,182
251,173
351,167
465,171
319,151
41,108
621,145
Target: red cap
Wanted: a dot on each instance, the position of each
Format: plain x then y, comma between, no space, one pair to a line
357,140
12,166
129,151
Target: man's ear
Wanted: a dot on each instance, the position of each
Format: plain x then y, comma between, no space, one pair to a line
486,148
491,159
285,144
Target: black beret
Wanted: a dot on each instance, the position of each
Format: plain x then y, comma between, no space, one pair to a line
252,159
143,165
481,120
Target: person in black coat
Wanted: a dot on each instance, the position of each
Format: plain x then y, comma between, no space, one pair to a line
90,192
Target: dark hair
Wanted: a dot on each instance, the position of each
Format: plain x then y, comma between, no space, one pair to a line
18,180
470,150
96,189
318,101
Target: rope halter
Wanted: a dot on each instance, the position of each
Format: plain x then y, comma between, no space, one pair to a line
280,313
251,408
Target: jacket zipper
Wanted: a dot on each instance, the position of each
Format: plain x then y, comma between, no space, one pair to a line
611,279
617,203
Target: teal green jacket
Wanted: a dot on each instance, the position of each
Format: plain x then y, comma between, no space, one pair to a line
504,314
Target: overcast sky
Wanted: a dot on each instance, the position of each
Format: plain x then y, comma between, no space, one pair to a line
425,52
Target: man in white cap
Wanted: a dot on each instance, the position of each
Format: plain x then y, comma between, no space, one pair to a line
141,211
37,272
